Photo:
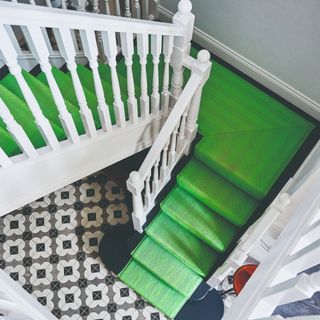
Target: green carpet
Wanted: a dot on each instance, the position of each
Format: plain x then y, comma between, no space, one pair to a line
248,140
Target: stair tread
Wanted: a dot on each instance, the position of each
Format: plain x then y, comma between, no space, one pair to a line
217,193
22,114
66,87
152,289
44,97
252,160
182,244
199,219
168,268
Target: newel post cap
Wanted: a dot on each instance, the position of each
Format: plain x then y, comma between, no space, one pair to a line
203,56
185,6
135,183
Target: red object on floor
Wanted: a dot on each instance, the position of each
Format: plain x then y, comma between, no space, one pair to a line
242,275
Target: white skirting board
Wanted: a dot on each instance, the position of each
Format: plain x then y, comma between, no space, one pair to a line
29,180
246,66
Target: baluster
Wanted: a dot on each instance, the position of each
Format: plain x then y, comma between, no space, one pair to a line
147,196
156,51
4,160
185,19
155,181
16,131
48,3
32,2
182,131
95,6
107,5
40,51
145,6
91,51
135,186
164,164
67,51
143,49
167,51
127,11
173,145
110,47
128,50
117,7
137,9
9,56
64,4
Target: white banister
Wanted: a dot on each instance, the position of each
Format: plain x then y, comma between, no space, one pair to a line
264,291
10,57
91,51
143,50
16,131
68,52
110,47
165,150
4,160
128,51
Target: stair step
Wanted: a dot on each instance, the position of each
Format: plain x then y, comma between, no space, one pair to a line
7,143
182,244
22,114
44,97
217,193
198,219
252,160
66,87
152,289
168,268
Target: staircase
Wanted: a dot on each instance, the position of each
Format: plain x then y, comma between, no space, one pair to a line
60,124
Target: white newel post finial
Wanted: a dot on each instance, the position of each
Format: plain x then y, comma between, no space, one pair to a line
184,19
201,67
135,185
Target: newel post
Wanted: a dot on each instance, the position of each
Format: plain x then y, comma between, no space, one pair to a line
181,48
201,67
135,185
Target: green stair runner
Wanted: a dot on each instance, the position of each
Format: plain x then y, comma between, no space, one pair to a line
248,140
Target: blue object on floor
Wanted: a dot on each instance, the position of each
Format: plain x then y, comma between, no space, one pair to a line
203,305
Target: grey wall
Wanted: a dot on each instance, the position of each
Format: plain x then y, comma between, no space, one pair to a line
281,36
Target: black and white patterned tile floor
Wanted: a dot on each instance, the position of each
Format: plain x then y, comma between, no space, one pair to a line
51,248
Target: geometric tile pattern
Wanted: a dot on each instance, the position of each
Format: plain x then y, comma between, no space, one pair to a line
51,248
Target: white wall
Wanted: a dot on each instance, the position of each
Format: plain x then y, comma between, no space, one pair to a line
280,36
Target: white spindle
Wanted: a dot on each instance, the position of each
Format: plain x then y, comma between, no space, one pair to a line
107,6
48,3
156,41
110,47
95,6
182,132
40,51
67,50
64,4
143,50
117,7
173,146
167,52
127,10
164,164
135,185
137,9
10,56
155,181
32,2
145,6
4,159
17,131
147,195
128,50
91,51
